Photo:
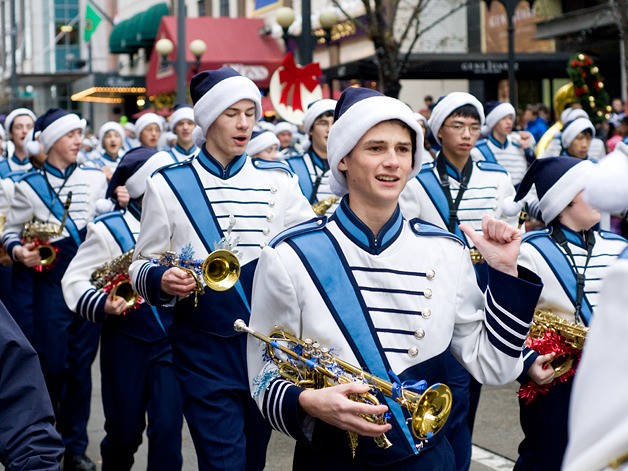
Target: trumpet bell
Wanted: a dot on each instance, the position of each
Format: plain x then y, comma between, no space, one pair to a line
221,270
431,412
126,292
47,253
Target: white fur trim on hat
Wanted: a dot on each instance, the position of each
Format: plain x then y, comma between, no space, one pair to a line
110,126
570,114
59,128
182,113
129,127
420,118
146,120
315,110
261,142
447,105
221,96
355,122
565,190
499,112
607,187
284,126
571,131
8,121
136,183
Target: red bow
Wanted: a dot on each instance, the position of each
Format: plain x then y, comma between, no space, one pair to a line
294,76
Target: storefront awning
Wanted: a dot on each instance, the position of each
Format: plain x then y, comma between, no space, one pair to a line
233,42
138,31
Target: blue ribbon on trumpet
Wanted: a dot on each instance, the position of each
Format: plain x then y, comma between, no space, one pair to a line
398,386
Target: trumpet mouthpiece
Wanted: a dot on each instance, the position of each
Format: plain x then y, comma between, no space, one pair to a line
239,325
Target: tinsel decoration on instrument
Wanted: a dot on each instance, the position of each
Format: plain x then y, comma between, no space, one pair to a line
550,342
113,274
39,242
184,259
114,281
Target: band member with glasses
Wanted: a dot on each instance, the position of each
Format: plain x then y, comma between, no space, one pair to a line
137,378
62,196
312,167
572,258
451,190
188,209
385,294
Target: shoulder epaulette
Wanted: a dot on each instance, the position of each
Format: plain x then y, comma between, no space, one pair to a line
29,175
423,228
173,166
490,166
295,157
481,142
538,233
427,167
611,236
15,175
303,228
262,164
109,215
87,167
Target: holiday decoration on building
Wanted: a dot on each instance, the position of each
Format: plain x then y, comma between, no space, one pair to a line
293,88
589,87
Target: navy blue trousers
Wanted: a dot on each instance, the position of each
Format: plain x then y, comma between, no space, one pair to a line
310,458
67,345
20,304
138,381
545,426
457,430
228,431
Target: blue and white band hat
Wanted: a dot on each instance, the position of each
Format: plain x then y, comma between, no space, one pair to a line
54,124
213,91
607,187
8,121
447,105
180,113
261,141
497,111
316,109
110,126
573,128
146,120
357,111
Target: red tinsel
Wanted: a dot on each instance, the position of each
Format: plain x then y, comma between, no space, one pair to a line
114,281
41,268
551,342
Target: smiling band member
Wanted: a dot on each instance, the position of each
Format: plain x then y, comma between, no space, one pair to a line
388,295
187,208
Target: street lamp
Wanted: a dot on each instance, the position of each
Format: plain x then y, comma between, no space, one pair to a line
306,40
164,48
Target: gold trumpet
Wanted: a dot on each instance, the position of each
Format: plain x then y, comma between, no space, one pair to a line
322,206
42,232
574,335
315,368
113,277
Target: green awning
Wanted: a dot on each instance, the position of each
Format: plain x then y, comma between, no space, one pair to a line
138,31
148,23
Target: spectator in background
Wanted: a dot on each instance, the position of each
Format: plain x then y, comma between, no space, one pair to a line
533,122
618,113
617,133
429,104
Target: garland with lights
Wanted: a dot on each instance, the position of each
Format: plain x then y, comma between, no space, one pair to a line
164,100
589,88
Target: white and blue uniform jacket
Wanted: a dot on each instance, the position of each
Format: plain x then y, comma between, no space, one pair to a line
510,155
313,172
187,207
541,254
489,184
410,292
179,154
40,196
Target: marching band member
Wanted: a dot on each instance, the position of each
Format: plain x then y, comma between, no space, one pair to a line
572,259
514,151
388,295
65,342
284,132
312,167
149,127
28,439
187,209
263,145
428,153
576,138
597,436
135,353
130,139
597,150
182,124
111,137
451,190
18,124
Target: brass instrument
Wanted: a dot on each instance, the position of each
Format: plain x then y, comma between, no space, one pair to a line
574,334
3,221
322,206
113,277
42,232
564,96
476,256
219,271
315,368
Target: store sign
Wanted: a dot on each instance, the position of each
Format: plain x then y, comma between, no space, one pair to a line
486,67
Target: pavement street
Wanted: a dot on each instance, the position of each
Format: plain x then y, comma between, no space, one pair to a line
496,436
